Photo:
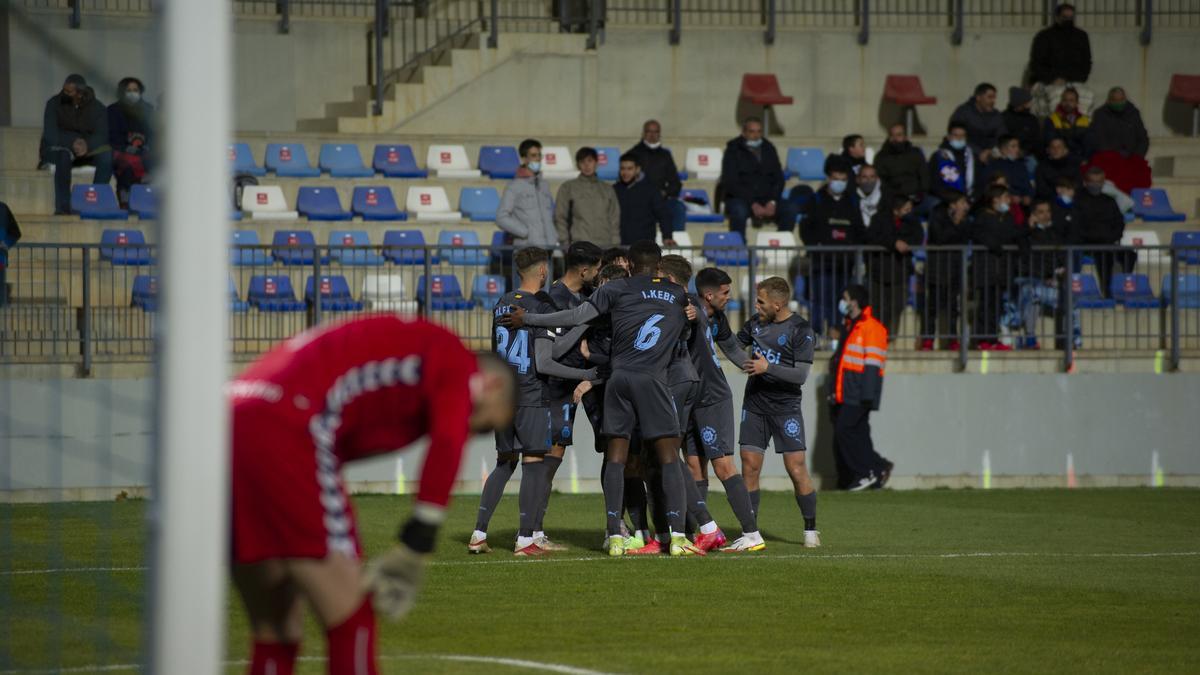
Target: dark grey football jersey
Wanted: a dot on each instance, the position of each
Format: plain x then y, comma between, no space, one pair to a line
702,347
565,298
519,346
786,343
648,321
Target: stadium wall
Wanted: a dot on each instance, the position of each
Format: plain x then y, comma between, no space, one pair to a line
636,74
89,439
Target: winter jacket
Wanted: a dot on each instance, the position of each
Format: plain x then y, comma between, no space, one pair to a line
1020,183
996,266
1041,264
1061,52
951,170
586,210
745,176
1121,131
885,230
527,211
124,121
832,222
641,207
1027,129
659,167
1075,131
63,122
860,361
10,233
902,169
1096,220
945,267
984,129
1050,170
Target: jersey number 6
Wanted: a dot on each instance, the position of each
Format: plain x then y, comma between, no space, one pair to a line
649,334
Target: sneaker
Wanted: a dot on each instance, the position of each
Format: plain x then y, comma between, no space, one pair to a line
812,539
651,547
927,345
680,546
478,545
746,543
530,551
552,546
710,542
615,545
884,474
634,542
863,483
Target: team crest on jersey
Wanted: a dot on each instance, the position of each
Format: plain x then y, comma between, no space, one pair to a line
792,427
566,432
708,435
782,340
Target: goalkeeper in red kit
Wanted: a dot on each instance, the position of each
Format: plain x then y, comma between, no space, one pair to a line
325,397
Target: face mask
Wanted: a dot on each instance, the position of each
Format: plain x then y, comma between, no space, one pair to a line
1002,207
957,144
1117,107
535,166
843,307
754,143
132,97
65,98
837,187
1067,23
653,146
868,187
833,344
1094,188
1065,200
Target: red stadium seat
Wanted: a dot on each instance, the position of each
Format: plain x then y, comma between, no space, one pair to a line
1186,89
763,89
906,91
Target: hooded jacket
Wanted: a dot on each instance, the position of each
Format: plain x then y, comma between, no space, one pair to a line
901,167
745,176
586,210
527,211
832,222
63,122
1120,131
984,129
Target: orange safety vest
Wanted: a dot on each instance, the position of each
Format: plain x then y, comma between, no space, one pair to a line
865,347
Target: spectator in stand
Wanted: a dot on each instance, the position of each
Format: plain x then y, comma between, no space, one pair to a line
899,232
831,218
1014,202
641,205
527,209
131,135
871,193
854,154
952,166
994,270
1019,122
1069,123
10,233
1061,57
1043,274
752,179
1059,163
1097,220
659,167
74,133
984,124
1119,142
901,166
1011,165
586,207
949,225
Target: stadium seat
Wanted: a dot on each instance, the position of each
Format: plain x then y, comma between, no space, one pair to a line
558,162
1133,291
455,248
1186,90
1087,293
406,247
236,304
145,293
321,203
800,291
295,247
763,89
397,161
241,160
805,164
273,293
487,289
96,202
608,163
386,293
1188,244
1152,205
479,204
449,161
375,203
266,202
354,256
499,162
1189,290
288,160
699,207
683,240
343,161
717,248
1145,242
772,240
445,293
143,202
906,91
124,247
334,292
704,163
430,203
252,256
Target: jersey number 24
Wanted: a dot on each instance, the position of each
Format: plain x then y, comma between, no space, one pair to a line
516,353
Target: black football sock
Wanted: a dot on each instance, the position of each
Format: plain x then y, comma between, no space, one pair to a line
754,503
696,506
613,484
808,509
635,503
493,489
552,463
739,501
533,479
674,497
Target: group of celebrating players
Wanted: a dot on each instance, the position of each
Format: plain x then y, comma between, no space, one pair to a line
620,335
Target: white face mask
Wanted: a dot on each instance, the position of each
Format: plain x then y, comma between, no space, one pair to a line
535,166
843,307
833,345
132,97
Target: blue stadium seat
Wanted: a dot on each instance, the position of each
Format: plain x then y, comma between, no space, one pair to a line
608,165
96,202
273,293
236,304
254,256
737,257
242,160
1087,293
1152,205
376,203
452,248
321,203
1189,290
145,292
800,291
499,162
143,201
700,198
397,161
406,247
290,160
1190,256
479,204
295,247
805,164
1133,291
487,289
352,256
335,294
343,161
124,247
445,293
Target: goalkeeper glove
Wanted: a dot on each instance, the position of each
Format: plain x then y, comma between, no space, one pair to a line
394,579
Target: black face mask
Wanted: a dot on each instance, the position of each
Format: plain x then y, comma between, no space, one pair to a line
1067,23
65,99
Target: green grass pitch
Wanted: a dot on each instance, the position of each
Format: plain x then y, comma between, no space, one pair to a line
934,581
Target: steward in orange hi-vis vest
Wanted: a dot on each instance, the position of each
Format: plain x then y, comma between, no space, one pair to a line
860,363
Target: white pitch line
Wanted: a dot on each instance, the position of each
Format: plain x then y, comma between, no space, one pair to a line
727,556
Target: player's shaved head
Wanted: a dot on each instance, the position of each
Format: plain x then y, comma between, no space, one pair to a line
777,288
528,260
677,267
493,394
644,256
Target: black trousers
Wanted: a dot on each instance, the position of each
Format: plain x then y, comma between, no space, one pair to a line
856,456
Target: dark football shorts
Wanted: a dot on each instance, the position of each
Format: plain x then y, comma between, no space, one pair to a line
685,395
529,434
786,430
562,414
639,400
710,431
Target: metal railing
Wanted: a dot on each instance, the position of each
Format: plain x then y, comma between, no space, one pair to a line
76,303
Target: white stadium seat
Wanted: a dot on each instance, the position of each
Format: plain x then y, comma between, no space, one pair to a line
704,163
775,259
558,162
386,293
1140,238
684,240
430,203
450,161
266,202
